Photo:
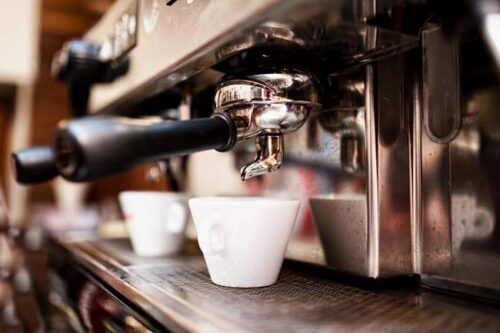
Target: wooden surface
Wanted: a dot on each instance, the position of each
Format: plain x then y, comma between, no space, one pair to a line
7,94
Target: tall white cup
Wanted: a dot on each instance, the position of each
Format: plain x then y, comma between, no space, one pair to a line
156,221
243,239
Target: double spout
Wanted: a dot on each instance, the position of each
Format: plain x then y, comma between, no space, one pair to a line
262,107
266,107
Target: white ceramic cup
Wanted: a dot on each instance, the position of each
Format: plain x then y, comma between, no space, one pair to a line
156,221
243,239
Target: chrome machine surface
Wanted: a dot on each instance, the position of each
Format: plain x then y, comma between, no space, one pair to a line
175,40
459,159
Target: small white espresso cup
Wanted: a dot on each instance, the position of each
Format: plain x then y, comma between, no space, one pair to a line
243,239
156,221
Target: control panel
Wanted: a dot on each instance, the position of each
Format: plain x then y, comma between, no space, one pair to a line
124,35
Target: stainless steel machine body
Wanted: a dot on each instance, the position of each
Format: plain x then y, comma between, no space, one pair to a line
397,169
458,156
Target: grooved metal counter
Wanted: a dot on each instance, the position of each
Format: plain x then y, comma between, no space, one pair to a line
177,293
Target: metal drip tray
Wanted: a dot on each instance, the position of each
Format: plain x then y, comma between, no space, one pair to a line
177,292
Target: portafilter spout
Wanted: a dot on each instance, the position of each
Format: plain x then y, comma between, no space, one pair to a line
266,106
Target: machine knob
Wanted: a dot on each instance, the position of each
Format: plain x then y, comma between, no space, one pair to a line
78,60
80,64
81,61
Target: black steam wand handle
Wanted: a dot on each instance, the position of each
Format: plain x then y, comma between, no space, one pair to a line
33,165
95,147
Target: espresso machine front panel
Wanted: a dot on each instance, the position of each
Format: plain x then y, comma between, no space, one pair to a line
177,40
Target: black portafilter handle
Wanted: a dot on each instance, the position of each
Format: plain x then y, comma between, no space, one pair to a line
34,165
95,147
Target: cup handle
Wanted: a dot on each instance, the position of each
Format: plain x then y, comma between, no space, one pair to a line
487,223
213,243
176,218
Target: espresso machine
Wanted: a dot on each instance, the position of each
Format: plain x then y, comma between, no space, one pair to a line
379,115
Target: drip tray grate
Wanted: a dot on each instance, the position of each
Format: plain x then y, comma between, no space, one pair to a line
179,289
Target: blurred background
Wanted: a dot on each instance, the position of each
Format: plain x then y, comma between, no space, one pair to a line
31,105
32,102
